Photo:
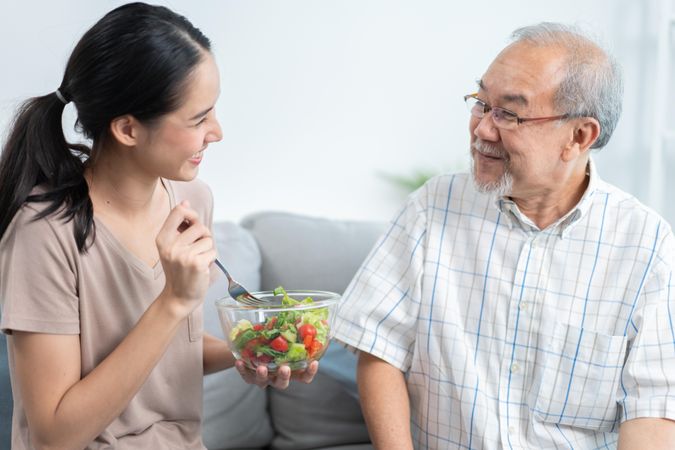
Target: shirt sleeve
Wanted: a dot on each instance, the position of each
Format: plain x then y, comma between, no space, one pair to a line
378,313
648,378
38,276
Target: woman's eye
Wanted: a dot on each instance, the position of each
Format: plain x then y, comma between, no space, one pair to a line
201,121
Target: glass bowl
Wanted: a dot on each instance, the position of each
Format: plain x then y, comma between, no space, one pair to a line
279,333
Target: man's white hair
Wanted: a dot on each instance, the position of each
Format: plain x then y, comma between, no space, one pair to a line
592,85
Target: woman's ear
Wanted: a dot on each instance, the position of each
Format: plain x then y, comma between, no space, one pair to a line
125,130
584,133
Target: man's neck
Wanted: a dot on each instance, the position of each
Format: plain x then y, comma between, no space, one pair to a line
548,207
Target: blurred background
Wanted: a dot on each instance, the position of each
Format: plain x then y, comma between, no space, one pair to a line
335,107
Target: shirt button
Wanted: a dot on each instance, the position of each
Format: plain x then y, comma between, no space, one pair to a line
515,368
512,429
523,306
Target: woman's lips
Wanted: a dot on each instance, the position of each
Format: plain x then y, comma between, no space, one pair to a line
197,157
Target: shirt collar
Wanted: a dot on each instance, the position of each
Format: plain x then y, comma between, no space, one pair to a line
514,217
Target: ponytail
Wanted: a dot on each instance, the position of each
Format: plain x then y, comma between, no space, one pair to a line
36,153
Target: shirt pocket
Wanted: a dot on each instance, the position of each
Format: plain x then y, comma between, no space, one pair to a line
580,378
195,322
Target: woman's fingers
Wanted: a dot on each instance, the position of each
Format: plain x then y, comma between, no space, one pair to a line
306,376
280,379
192,233
181,214
186,250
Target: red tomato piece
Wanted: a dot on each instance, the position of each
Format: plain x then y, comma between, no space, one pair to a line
279,344
306,330
314,348
247,354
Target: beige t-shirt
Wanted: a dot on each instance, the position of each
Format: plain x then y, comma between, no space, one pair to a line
47,286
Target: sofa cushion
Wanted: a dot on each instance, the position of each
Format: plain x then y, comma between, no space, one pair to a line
316,415
235,413
302,252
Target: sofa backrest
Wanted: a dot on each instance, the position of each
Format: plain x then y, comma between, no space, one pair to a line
304,252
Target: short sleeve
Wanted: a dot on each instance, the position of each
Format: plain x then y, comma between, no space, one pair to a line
38,276
378,313
648,378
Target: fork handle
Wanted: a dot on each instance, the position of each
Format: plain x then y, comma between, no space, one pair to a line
220,265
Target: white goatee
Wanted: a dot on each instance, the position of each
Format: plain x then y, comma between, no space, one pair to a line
501,187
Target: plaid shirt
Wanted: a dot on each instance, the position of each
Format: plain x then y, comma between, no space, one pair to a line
514,337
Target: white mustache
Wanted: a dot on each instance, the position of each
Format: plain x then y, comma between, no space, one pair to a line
488,149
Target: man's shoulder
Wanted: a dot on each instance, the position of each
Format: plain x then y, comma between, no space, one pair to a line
627,202
631,212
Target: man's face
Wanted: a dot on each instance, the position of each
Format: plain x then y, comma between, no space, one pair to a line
524,161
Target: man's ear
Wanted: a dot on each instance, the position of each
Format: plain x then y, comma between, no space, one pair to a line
125,130
584,133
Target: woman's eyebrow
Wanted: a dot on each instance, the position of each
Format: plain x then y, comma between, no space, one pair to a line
202,113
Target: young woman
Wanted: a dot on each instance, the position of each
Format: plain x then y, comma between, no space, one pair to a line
106,252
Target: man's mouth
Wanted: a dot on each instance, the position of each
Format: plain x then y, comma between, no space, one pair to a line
489,151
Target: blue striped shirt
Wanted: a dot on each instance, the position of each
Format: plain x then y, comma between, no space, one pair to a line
515,337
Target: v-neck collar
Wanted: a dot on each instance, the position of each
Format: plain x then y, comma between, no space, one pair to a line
134,261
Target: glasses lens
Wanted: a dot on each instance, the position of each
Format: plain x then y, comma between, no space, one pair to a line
504,118
475,106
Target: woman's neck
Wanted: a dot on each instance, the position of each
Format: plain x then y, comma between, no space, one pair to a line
117,187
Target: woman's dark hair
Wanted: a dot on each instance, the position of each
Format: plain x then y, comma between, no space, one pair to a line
135,60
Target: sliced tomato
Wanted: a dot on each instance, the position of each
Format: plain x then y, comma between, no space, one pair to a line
306,330
279,344
307,341
314,348
247,354
258,326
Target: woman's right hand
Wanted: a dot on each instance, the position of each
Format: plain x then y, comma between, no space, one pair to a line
186,250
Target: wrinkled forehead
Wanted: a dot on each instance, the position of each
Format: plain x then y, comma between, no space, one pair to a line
525,75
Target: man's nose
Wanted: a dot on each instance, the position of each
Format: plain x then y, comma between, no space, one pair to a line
485,128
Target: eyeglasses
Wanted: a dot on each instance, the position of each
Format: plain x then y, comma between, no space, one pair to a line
502,118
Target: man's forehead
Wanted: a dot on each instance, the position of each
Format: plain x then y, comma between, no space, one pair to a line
521,73
505,97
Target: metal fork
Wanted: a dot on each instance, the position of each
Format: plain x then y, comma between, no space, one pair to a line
237,291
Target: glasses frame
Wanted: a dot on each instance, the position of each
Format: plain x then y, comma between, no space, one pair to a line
487,108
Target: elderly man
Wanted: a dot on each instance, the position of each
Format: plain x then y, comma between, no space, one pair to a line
530,304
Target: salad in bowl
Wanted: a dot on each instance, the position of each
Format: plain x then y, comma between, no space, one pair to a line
293,328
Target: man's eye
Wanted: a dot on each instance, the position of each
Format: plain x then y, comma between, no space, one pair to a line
507,116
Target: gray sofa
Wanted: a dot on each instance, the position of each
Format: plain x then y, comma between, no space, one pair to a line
263,251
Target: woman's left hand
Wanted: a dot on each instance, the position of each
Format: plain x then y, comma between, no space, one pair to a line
278,380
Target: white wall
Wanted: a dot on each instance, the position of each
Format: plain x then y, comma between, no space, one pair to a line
319,97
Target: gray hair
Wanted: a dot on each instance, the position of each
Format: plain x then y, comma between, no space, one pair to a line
592,86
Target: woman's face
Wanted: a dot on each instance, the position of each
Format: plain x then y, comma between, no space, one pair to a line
174,147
